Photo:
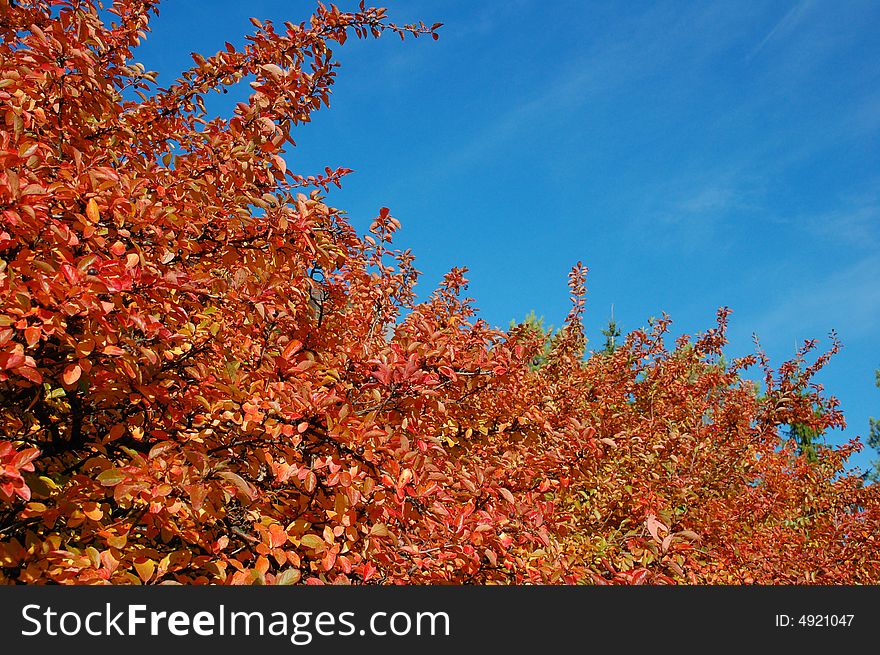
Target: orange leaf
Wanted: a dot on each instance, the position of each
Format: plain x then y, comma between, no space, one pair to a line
261,565
85,346
71,374
32,335
290,349
93,511
92,212
115,432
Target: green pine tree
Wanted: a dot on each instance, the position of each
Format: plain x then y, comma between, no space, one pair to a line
611,332
874,440
806,437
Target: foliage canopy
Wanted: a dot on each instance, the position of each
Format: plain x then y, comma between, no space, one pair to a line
207,376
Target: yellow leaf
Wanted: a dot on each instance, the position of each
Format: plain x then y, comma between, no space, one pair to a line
40,486
379,530
117,541
288,576
273,70
313,541
145,569
111,477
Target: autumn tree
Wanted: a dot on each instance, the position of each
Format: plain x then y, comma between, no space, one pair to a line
535,325
207,375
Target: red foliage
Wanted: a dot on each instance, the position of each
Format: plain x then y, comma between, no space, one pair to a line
206,376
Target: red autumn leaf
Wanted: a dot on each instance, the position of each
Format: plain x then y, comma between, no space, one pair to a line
655,527
505,493
30,373
23,458
277,536
70,273
239,483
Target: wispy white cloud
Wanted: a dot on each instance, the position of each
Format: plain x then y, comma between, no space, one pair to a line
688,211
487,19
849,297
647,44
857,225
788,23
865,117
712,199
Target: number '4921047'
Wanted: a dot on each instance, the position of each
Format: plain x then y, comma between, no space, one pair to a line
826,620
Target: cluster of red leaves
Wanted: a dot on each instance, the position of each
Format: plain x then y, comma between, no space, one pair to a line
206,376
13,462
694,483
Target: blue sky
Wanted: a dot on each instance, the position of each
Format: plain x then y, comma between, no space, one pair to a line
693,155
